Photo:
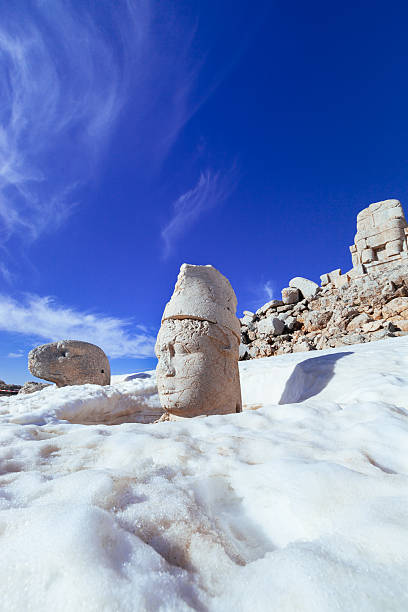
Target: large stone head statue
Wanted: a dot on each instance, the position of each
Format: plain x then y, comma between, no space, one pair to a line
197,346
70,362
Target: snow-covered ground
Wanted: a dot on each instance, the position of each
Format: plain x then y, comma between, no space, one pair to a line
299,503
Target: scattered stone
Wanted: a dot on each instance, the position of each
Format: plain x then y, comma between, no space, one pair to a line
395,306
307,287
365,304
358,322
402,325
290,295
243,351
372,326
270,326
272,304
300,347
247,319
32,386
290,323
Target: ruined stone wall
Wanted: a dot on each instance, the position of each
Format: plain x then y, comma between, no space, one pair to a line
368,308
379,244
367,303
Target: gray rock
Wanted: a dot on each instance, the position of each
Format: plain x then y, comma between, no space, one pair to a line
243,351
307,287
247,319
290,323
290,295
358,321
268,305
351,339
31,387
302,346
253,352
270,326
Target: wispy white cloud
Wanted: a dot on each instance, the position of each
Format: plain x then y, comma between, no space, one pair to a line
40,317
62,89
15,355
66,70
6,273
269,289
212,189
259,293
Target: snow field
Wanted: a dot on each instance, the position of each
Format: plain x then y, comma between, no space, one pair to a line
299,503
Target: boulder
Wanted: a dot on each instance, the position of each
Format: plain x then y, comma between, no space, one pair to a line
290,323
315,320
302,346
373,326
358,322
247,319
290,295
395,306
402,324
243,351
270,326
272,304
307,287
31,387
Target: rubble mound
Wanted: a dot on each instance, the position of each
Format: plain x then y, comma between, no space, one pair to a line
367,303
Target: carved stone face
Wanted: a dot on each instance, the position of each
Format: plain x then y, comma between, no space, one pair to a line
70,362
197,373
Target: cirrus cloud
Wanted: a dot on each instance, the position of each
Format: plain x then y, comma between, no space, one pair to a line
41,317
211,190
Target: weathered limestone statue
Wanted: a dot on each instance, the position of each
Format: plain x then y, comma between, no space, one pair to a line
198,345
70,362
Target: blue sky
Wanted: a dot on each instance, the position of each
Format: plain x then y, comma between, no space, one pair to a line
138,135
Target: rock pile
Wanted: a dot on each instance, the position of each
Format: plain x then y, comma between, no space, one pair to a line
31,387
367,309
368,303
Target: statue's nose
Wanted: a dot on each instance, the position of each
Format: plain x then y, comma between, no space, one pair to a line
167,367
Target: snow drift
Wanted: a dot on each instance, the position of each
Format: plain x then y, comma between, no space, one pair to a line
298,503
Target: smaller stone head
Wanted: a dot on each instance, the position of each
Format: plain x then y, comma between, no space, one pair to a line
70,362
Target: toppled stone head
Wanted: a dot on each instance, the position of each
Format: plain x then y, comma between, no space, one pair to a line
198,346
70,362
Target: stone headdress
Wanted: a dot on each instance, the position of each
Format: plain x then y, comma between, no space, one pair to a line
204,294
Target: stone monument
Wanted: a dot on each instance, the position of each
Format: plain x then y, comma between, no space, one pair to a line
381,234
198,346
380,242
70,362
